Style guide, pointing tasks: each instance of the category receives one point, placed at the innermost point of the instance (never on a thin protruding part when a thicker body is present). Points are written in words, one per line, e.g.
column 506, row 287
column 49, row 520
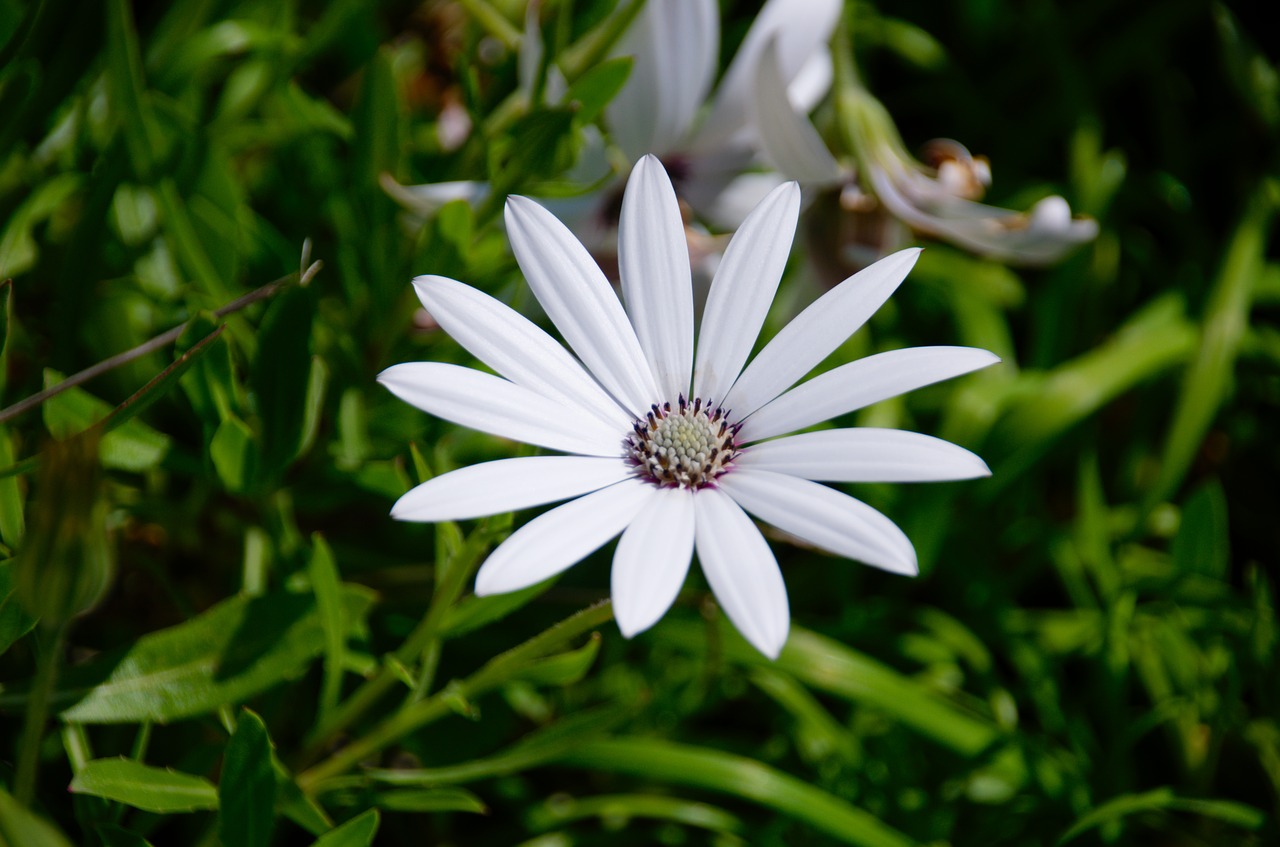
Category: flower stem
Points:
column 37, row 713
column 417, row 714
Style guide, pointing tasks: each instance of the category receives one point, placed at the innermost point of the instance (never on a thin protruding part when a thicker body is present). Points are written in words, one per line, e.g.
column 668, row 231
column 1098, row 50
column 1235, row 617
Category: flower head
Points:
column 672, row 447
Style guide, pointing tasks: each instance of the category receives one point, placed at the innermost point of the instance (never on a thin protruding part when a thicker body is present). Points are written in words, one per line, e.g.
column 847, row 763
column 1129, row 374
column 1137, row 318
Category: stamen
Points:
column 685, row 448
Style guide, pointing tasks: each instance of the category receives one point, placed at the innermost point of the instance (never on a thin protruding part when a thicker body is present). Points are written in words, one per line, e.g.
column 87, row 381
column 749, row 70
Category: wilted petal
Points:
column 652, row 560
column 742, row 571
column 822, row 516
column 492, row 488
column 562, row 537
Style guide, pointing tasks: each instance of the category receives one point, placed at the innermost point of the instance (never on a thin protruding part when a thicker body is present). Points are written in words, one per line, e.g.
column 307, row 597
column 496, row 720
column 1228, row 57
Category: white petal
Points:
column 490, row 404
column 653, row 262
column 865, row 454
column 801, row 27
column 491, row 488
column 562, row 537
column 813, row 81
column 579, row 300
column 732, row 203
column 860, row 384
column 743, row 290
column 787, row 138
column 675, row 44
column 514, row 346
column 652, row 560
column 823, row 517
column 742, row 571
column 817, row 331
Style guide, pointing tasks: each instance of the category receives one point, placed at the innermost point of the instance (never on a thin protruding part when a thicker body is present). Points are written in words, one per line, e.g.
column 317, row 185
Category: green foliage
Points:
column 212, row 632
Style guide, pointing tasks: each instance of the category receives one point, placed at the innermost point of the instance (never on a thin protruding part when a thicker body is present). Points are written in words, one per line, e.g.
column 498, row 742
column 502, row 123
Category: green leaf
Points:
column 619, row 809
column 328, row 591
column 281, row 375
column 130, row 446
column 247, row 788
column 1162, row 799
column 160, row 384
column 159, row 790
column 18, row 250
column 430, row 800
column 702, row 767
column 1208, row 377
column 474, row 612
column 235, row 454
column 357, row 832
column 114, row 836
column 14, row 620
column 126, row 90
column 564, row 669
column 1203, row 542
column 12, row 511
column 233, row 651
column 537, row 146
column 20, row 827
column 594, row 89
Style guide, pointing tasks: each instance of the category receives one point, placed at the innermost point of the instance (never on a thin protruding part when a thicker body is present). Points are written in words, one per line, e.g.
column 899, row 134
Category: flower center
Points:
column 685, row 447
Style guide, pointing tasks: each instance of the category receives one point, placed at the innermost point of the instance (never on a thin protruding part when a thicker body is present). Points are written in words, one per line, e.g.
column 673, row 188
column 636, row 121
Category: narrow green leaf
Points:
column 564, row 669
column 130, row 446
column 326, row 585
column 280, row 377
column 1162, row 799
column 702, row 767
column 247, row 788
column 114, row 836
column 1226, row 317
column 233, row 651
column 618, row 809
column 594, row 89
column 127, row 89
column 12, row 509
column 1203, row 542
column 159, row 790
column 430, row 800
column 20, row 827
column 235, row 454
column 357, row 832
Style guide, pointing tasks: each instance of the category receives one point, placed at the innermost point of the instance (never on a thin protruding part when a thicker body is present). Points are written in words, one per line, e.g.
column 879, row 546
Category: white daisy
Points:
column 670, row 449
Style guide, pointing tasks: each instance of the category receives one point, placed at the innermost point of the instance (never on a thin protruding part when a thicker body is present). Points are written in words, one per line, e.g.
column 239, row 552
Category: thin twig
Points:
column 161, row 340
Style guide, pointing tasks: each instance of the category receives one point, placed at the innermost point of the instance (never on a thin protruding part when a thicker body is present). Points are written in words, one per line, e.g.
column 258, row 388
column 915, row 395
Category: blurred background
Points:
column 1089, row 656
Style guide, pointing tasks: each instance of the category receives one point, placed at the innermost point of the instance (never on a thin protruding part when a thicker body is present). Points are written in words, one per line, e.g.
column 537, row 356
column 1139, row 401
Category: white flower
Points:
column 668, row 448
column 937, row 200
column 675, row 46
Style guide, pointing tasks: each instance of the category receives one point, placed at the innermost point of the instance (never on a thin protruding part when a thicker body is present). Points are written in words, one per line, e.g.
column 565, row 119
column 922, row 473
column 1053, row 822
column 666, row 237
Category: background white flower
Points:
column 668, row 448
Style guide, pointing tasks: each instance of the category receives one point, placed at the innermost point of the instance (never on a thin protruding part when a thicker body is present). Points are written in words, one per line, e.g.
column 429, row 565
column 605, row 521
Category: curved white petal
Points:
column 822, row 516
column 515, row 347
column 653, row 262
column 652, row 560
column 817, row 331
column 1039, row 237
column 860, row 384
column 788, row 140
column 801, row 27
column 675, row 44
column 490, row 404
column 564, row 536
column 813, row 81
column 865, row 454
column 742, row 571
column 492, row 488
column 743, row 290
column 579, row 300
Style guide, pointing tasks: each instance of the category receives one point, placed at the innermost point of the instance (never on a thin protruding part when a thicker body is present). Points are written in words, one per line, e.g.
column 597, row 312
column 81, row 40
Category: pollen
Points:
column 687, row 446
